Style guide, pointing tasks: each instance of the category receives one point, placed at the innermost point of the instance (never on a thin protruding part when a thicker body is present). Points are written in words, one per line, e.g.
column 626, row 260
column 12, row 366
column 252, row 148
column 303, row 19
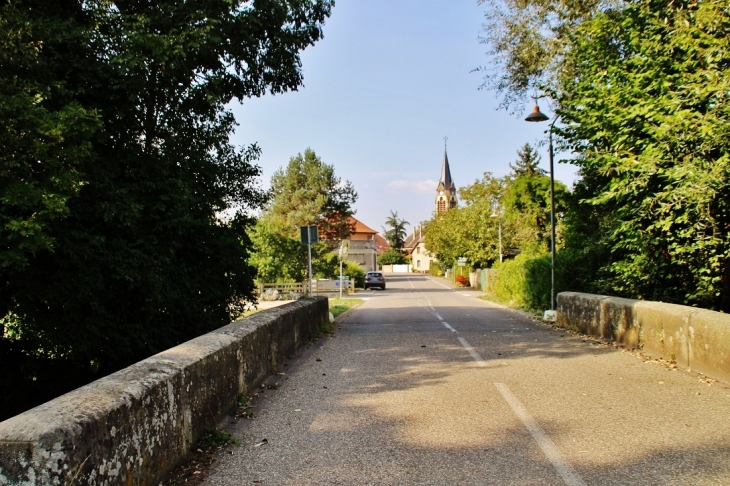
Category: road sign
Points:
column 309, row 234
column 344, row 249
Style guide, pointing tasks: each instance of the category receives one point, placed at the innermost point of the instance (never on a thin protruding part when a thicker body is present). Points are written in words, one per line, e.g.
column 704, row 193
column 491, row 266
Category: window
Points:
column 418, row 263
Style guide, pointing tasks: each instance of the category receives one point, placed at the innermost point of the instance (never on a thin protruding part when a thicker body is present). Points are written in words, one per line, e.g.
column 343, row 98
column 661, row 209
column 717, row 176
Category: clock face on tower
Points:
column 441, row 193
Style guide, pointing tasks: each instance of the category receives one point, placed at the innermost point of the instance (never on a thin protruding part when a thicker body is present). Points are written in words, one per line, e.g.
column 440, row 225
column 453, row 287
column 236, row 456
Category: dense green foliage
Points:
column 525, row 280
column 645, row 103
column 469, row 230
column 435, row 269
column 306, row 193
column 116, row 162
column 355, row 272
column 641, row 89
column 392, row 257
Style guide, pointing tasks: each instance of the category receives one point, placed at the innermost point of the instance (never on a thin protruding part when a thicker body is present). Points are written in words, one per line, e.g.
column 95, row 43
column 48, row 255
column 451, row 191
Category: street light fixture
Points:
column 499, row 222
column 538, row 116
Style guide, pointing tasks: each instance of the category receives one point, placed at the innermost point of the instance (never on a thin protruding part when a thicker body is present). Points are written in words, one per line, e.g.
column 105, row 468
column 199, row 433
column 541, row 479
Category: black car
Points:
column 374, row 279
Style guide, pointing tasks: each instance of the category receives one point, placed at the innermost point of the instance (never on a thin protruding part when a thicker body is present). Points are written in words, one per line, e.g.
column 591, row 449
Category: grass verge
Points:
column 339, row 306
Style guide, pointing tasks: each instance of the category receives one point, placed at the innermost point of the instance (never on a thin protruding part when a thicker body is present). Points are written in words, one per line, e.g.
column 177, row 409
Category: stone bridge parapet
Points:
column 133, row 426
column 698, row 339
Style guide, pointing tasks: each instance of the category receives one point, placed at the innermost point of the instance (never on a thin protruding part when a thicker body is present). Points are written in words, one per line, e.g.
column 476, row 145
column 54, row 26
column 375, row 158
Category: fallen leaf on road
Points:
column 262, row 442
column 297, row 409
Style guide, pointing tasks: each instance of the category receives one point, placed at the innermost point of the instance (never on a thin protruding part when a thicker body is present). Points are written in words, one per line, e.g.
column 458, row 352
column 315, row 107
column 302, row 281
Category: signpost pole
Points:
column 309, row 235
column 309, row 245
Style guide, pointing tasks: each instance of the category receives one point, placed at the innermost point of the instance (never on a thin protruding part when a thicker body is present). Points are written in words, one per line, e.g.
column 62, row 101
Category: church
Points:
column 446, row 190
column 445, row 199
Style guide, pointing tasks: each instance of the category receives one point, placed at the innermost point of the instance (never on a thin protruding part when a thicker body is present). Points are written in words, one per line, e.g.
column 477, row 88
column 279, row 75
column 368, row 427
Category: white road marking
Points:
column 563, row 467
column 412, row 286
column 437, row 282
column 446, row 324
column 473, row 352
column 432, row 310
column 466, row 295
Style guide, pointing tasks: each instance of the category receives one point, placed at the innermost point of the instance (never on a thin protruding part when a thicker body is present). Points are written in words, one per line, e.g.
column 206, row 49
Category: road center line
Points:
column 446, row 324
column 436, row 282
column 563, row 467
column 473, row 352
column 432, row 310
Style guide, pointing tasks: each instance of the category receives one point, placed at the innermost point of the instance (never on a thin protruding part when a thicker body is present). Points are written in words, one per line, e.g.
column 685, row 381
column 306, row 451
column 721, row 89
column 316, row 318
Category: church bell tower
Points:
column 446, row 191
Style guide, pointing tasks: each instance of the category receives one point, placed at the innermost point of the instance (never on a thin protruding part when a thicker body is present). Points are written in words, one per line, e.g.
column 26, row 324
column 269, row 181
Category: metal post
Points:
column 500, row 241
column 309, row 245
column 552, row 224
column 340, row 274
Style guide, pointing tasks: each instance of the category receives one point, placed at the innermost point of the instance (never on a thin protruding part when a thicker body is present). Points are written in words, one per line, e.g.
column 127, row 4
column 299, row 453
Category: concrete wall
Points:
column 696, row 338
column 133, row 426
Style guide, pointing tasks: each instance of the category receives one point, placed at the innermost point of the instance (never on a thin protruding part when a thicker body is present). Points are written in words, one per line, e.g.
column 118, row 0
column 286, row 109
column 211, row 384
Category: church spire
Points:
column 446, row 171
column 446, row 191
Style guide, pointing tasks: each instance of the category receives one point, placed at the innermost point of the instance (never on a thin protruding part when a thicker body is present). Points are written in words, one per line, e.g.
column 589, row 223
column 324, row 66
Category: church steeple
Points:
column 446, row 190
column 446, row 171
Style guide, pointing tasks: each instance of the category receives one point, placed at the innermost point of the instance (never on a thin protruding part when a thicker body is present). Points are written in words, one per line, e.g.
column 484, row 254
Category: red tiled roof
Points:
column 359, row 227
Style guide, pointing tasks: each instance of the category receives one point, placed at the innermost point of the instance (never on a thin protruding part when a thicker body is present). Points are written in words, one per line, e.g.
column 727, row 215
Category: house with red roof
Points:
column 365, row 245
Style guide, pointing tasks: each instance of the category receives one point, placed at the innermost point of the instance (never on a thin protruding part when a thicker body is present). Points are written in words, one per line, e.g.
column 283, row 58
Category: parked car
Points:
column 374, row 279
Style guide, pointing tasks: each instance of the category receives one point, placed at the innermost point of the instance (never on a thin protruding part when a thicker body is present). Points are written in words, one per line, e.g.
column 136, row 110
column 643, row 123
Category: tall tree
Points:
column 527, row 41
column 308, row 192
column 527, row 163
column 644, row 99
column 115, row 172
column 526, row 204
column 396, row 233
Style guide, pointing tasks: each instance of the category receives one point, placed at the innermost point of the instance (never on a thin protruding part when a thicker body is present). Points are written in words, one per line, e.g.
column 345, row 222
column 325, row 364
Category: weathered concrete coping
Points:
column 696, row 338
column 133, row 426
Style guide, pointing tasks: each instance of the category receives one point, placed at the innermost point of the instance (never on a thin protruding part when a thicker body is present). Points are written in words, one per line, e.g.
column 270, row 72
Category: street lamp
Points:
column 499, row 222
column 538, row 116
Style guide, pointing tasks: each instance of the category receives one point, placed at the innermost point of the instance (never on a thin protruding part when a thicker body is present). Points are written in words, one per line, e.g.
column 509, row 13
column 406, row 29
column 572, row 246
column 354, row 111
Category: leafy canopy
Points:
column 116, row 162
column 308, row 192
column 644, row 99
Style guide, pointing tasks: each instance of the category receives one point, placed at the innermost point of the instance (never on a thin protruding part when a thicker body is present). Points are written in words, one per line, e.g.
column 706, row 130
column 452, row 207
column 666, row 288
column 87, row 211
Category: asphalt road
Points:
column 425, row 384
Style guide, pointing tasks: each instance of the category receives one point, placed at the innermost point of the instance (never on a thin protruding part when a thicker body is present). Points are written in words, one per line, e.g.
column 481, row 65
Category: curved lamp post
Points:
column 495, row 214
column 538, row 116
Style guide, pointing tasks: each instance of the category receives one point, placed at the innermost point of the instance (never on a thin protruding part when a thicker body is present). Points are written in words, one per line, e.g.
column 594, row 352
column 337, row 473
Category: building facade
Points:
column 365, row 245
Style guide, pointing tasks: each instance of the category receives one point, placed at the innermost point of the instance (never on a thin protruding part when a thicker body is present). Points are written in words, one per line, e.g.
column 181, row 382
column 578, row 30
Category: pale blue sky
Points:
column 389, row 80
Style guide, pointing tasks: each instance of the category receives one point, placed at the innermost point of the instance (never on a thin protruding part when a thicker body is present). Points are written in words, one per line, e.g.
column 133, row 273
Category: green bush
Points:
column 435, row 269
column 392, row 257
column 525, row 281
column 355, row 272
